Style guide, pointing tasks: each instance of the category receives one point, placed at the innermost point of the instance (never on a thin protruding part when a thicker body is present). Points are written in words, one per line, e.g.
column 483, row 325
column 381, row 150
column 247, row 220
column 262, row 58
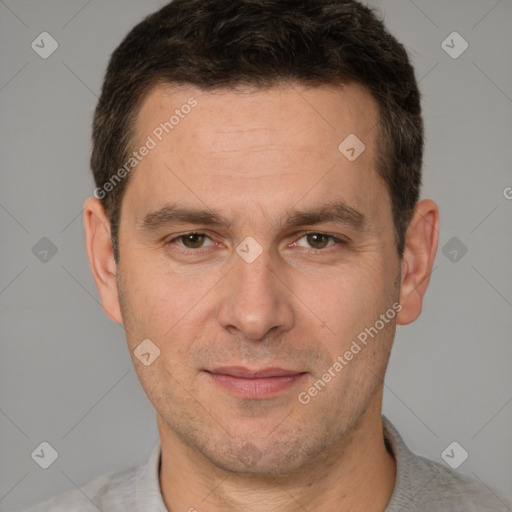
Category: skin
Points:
column 252, row 155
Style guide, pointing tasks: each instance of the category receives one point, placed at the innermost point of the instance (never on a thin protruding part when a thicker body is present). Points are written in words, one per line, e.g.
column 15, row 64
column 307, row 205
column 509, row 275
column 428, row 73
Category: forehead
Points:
column 304, row 112
column 274, row 147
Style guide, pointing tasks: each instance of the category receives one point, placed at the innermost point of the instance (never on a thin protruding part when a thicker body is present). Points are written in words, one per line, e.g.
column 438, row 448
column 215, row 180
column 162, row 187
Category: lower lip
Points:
column 264, row 387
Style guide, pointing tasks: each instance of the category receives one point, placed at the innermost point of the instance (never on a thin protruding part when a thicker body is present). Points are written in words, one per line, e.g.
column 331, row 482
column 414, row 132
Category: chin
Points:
column 263, row 457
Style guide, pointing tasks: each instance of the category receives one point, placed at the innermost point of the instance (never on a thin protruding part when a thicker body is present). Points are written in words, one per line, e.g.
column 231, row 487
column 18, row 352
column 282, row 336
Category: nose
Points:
column 255, row 299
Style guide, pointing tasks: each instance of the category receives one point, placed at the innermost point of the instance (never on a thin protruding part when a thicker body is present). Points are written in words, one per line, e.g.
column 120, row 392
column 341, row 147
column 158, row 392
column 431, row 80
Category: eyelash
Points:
column 186, row 250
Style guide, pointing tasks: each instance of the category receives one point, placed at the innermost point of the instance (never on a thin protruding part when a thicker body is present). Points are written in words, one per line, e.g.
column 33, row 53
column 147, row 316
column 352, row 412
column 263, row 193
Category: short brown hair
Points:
column 222, row 44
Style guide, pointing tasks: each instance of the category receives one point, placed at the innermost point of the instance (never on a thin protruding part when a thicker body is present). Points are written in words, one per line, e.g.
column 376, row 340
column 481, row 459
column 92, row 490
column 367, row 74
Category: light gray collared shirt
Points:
column 421, row 486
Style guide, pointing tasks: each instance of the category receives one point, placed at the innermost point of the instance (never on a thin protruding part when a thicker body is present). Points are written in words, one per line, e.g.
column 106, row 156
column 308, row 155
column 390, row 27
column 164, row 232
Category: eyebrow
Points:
column 333, row 211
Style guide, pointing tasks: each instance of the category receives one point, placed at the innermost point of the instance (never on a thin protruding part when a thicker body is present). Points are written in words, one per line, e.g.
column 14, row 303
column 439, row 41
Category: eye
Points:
column 314, row 240
column 319, row 241
column 191, row 240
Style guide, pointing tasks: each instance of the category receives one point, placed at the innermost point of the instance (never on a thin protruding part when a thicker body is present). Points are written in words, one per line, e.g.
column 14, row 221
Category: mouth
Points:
column 254, row 383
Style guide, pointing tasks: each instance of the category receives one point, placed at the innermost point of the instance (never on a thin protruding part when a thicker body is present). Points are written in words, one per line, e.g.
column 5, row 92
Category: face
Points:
column 253, row 301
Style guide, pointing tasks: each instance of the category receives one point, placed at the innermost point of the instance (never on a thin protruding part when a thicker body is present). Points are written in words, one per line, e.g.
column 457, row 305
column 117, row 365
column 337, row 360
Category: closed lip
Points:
column 247, row 373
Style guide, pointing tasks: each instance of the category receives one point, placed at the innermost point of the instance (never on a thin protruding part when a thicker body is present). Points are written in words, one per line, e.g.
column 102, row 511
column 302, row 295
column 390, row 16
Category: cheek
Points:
column 163, row 305
column 350, row 291
column 349, row 301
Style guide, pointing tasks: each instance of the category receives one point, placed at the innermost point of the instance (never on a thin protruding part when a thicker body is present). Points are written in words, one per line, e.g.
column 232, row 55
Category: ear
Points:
column 419, row 253
column 101, row 257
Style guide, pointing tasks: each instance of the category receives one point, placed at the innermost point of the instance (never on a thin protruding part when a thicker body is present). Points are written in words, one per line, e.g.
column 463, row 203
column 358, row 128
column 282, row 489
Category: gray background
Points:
column 66, row 375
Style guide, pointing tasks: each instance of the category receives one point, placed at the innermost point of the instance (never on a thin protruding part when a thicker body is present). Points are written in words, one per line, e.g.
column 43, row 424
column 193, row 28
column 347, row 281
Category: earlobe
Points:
column 101, row 257
column 418, row 259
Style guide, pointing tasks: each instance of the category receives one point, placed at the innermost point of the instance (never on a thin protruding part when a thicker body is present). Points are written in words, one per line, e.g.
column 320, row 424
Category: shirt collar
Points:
column 149, row 494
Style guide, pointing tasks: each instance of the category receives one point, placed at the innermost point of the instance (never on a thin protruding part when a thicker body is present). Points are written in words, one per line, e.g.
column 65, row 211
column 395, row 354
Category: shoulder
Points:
column 112, row 491
column 447, row 488
column 425, row 485
column 132, row 489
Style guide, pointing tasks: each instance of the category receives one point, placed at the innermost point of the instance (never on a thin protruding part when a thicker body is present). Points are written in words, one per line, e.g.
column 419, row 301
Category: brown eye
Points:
column 318, row 240
column 318, row 243
column 192, row 240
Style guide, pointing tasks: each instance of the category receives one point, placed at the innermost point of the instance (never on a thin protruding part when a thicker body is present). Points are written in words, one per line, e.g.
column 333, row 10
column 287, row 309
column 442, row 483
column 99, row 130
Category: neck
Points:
column 357, row 475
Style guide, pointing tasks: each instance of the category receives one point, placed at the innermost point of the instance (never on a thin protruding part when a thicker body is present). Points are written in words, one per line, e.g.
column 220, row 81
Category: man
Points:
column 257, row 231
